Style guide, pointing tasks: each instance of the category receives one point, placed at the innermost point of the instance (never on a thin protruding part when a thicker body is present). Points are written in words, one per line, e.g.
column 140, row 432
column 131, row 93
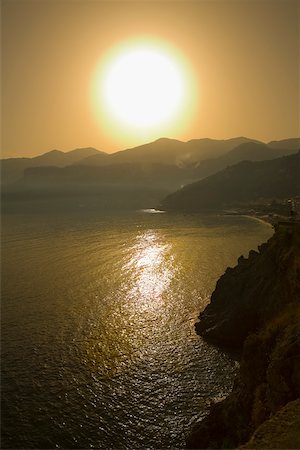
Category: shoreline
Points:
column 262, row 321
column 266, row 218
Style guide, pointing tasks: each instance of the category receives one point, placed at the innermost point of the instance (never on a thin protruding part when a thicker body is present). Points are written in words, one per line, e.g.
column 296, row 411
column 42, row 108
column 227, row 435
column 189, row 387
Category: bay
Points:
column 98, row 313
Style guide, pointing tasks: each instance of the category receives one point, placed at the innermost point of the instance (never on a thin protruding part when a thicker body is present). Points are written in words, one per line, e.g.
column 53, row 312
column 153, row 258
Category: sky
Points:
column 240, row 62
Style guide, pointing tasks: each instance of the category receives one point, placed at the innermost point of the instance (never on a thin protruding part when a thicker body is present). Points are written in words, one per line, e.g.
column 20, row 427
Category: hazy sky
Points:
column 244, row 57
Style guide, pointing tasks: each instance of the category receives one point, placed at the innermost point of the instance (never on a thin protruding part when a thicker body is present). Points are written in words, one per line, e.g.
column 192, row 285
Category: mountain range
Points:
column 243, row 183
column 148, row 172
column 204, row 156
column 248, row 151
column 12, row 169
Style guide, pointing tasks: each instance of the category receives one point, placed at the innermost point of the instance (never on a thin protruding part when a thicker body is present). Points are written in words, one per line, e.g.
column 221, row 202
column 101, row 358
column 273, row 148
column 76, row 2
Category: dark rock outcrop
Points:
column 281, row 431
column 256, row 306
column 251, row 293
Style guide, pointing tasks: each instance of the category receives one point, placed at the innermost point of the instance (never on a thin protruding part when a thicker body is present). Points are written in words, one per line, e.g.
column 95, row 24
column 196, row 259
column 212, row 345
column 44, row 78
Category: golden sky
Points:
column 242, row 57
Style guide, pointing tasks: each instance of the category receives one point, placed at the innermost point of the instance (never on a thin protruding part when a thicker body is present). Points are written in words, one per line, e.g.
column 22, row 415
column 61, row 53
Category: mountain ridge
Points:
column 243, row 182
column 13, row 168
column 191, row 156
column 249, row 151
column 289, row 143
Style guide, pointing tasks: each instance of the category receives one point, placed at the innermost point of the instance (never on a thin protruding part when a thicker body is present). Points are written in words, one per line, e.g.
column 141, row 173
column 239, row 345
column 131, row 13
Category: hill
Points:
column 162, row 151
column 292, row 144
column 205, row 156
column 149, row 172
column 202, row 149
column 13, row 168
column 169, row 151
column 127, row 185
column 248, row 151
column 227, row 151
column 243, row 182
column 115, row 174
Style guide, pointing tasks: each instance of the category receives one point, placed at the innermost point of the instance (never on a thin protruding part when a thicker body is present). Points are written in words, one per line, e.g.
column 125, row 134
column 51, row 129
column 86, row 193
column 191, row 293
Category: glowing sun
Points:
column 142, row 86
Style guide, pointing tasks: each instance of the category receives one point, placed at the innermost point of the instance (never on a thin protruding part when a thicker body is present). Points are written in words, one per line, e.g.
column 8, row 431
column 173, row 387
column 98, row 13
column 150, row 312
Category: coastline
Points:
column 255, row 308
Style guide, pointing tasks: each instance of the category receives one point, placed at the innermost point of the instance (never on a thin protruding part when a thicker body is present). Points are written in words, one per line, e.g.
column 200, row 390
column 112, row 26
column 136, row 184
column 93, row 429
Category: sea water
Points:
column 98, row 313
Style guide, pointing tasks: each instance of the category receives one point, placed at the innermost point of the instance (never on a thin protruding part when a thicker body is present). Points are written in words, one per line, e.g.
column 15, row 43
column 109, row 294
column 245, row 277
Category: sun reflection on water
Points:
column 150, row 268
column 129, row 322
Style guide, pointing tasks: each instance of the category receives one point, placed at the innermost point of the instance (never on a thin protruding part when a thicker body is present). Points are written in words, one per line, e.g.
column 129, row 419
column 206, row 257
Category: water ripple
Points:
column 98, row 313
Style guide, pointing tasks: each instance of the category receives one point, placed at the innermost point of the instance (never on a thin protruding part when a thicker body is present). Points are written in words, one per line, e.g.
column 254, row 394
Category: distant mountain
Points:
column 78, row 177
column 202, row 149
column 290, row 144
column 61, row 159
column 140, row 165
column 199, row 157
column 162, row 151
column 169, row 151
column 98, row 159
column 13, row 168
column 211, row 155
column 248, row 151
column 244, row 182
column 121, row 186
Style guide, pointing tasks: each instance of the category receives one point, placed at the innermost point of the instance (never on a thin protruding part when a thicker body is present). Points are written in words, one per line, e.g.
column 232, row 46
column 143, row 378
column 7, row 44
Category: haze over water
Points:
column 98, row 314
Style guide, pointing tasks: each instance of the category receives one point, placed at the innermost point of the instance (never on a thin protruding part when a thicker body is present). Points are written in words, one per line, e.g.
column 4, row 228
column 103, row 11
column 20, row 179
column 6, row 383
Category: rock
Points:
column 280, row 431
column 256, row 307
column 254, row 291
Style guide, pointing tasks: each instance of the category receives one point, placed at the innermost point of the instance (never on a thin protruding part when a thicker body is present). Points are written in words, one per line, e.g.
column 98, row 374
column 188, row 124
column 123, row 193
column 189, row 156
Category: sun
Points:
column 142, row 87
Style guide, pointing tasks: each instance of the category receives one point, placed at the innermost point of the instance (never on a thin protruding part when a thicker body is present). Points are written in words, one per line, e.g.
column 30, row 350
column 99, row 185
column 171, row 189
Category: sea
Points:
column 99, row 348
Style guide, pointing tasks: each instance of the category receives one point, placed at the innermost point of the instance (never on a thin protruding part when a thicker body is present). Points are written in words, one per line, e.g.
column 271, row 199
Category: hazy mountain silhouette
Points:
column 243, row 182
column 151, row 171
column 169, row 151
column 209, row 155
column 290, row 144
column 164, row 151
column 249, row 151
column 13, row 168
column 126, row 173
column 161, row 151
column 60, row 159
column 202, row 149
column 128, row 185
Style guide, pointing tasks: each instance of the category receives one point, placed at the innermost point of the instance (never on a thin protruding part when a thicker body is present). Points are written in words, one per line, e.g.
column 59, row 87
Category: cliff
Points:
column 256, row 308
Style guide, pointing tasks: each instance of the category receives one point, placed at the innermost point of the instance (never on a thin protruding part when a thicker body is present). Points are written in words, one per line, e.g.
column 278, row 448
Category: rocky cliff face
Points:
column 256, row 307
